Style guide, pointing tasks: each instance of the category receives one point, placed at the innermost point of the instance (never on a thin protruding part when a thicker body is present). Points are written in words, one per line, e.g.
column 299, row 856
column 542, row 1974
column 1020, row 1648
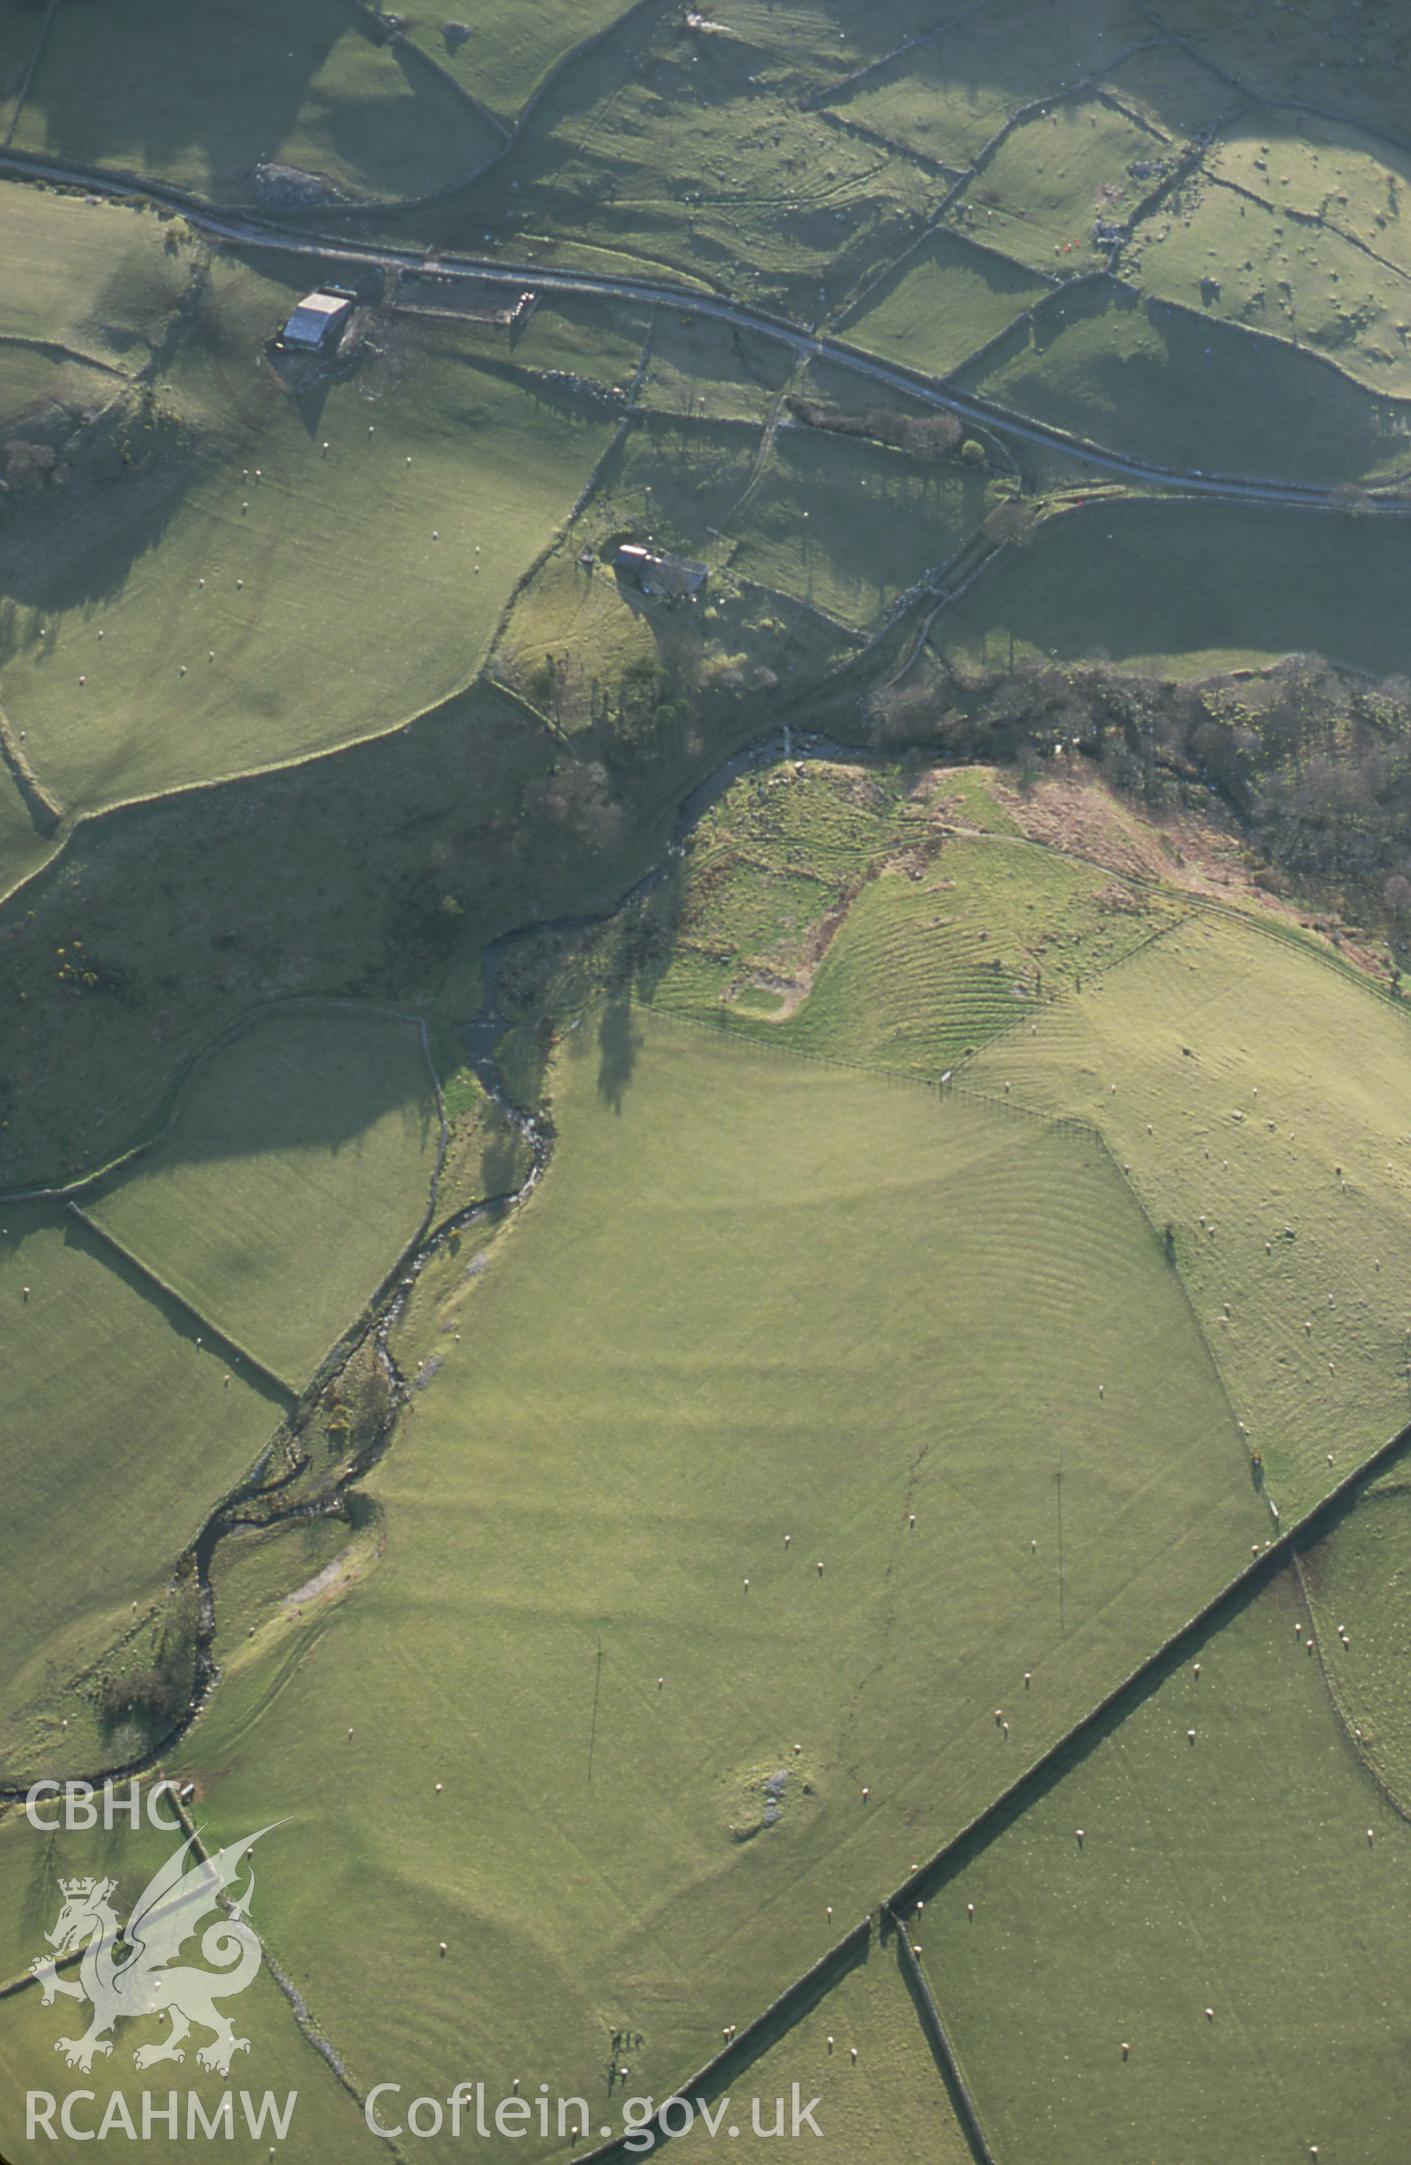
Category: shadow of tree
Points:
column 618, row 1045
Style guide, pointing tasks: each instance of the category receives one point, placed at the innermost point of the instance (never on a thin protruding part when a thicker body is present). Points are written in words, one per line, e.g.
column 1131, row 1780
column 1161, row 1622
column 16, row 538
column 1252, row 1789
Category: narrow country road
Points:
column 245, row 227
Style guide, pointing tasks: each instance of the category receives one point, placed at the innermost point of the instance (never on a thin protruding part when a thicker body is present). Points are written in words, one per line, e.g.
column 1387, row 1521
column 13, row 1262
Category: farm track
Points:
column 245, row 230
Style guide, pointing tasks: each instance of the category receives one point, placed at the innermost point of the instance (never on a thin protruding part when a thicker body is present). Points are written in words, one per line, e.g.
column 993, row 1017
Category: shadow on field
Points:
column 145, row 94
column 288, row 1083
column 69, row 548
column 93, row 1241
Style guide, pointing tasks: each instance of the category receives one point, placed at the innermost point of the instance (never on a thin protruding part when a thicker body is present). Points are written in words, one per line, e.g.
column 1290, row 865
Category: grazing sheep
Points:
column 1126, row 2051
column 1190, row 1736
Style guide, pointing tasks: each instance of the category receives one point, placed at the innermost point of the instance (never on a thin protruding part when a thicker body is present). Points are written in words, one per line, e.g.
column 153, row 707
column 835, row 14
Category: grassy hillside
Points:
column 834, row 911
column 508, row 52
column 296, row 1167
column 198, row 101
column 1356, row 1581
column 206, row 613
column 99, row 280
column 1185, row 390
column 847, row 526
column 757, row 1297
column 1233, row 1875
column 120, row 1434
column 1218, row 1064
column 1251, row 261
column 326, row 2120
column 1186, row 589
column 887, row 2100
column 681, row 148
column 942, row 301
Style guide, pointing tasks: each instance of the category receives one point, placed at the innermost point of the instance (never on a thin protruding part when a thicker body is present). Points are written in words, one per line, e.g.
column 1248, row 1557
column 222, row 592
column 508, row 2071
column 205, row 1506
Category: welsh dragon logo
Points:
column 146, row 1979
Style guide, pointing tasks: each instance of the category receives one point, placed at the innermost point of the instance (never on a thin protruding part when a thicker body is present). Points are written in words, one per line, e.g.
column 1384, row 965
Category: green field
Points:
column 847, row 526
column 937, row 1208
column 757, row 1296
column 1036, row 197
column 1246, row 261
column 889, row 2102
column 120, row 1435
column 1356, row 1581
column 296, row 1168
column 949, row 97
column 510, row 51
column 1234, row 1874
column 832, row 912
column 1198, row 1061
column 326, row 2120
column 1305, row 58
column 711, row 370
column 199, row 100
column 1186, row 589
column 1142, row 379
column 189, row 645
column 99, row 280
column 941, row 303
column 679, row 150
column 1348, row 180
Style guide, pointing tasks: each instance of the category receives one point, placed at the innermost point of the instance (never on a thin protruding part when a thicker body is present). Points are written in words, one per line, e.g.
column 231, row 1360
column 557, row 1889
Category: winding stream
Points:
column 250, row 1504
